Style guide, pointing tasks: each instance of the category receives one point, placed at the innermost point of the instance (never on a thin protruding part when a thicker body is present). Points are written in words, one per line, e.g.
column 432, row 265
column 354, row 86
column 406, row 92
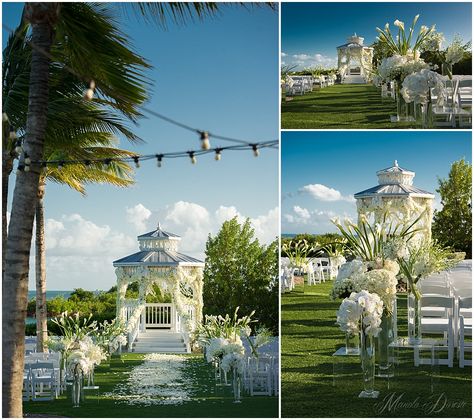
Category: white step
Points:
column 354, row 80
column 159, row 341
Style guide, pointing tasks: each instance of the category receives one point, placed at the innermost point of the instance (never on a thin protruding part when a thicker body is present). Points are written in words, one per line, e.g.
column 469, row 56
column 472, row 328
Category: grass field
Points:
column 341, row 106
column 208, row 400
column 310, row 337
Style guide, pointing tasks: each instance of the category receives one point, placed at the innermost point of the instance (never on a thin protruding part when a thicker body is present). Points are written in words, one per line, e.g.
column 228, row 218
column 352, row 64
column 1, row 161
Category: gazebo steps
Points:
column 159, row 341
column 354, row 80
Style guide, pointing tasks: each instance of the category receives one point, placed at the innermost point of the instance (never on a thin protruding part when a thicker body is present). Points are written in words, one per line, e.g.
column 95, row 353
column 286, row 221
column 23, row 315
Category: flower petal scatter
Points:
column 161, row 380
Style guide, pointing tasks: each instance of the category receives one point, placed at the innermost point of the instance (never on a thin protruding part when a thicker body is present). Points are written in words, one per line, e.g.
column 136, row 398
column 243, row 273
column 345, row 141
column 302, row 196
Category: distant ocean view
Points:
column 50, row 294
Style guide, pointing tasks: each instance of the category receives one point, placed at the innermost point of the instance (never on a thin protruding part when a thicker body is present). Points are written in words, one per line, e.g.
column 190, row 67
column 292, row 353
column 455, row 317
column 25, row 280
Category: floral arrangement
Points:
column 110, row 335
column 361, row 310
column 417, row 86
column 84, row 356
column 454, row 53
column 398, row 67
column 231, row 361
column 404, row 43
column 297, row 252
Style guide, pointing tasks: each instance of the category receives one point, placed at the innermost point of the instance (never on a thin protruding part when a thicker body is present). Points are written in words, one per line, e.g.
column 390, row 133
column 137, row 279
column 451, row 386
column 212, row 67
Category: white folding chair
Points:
column 439, row 325
column 43, row 381
column 465, row 330
column 26, row 382
column 260, row 376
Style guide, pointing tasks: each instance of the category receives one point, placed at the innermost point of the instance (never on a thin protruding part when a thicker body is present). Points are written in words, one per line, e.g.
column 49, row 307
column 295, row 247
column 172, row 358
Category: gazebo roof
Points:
column 394, row 181
column 159, row 233
column 354, row 41
column 158, row 248
column 158, row 258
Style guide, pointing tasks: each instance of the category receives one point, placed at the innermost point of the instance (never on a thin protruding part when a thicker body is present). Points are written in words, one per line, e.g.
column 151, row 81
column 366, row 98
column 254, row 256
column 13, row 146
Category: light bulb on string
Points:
column 205, row 143
column 87, row 162
column 89, row 93
column 136, row 159
column 4, row 117
column 255, row 150
column 12, row 133
column 108, row 161
column 193, row 158
column 60, row 165
column 159, row 159
column 18, row 148
column 218, row 155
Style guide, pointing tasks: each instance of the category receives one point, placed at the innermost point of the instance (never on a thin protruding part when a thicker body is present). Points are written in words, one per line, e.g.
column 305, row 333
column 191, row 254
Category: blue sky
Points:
column 312, row 31
column 339, row 164
column 219, row 75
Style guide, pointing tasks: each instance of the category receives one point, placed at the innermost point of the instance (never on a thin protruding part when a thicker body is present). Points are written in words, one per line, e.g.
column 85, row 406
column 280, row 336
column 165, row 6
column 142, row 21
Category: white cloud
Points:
column 302, row 212
column 283, row 54
column 312, row 60
column 138, row 216
column 324, row 193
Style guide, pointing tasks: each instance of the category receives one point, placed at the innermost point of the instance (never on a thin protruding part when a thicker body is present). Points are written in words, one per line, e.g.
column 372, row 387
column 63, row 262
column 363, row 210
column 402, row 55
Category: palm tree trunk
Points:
column 15, row 284
column 40, row 268
column 7, row 165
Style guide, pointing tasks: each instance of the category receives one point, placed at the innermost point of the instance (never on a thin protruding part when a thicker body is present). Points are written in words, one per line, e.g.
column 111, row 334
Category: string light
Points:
column 87, row 162
column 4, row 117
column 12, row 133
column 205, row 143
column 256, row 152
column 60, row 165
column 218, row 155
column 193, row 158
column 159, row 158
column 18, row 148
column 137, row 161
column 89, row 93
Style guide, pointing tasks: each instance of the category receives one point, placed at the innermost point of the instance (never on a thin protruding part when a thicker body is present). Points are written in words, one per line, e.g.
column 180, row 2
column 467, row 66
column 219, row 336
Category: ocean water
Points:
column 50, row 293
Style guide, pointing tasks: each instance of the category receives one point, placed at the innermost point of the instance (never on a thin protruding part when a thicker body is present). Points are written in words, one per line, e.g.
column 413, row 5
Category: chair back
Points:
column 465, row 303
column 437, row 301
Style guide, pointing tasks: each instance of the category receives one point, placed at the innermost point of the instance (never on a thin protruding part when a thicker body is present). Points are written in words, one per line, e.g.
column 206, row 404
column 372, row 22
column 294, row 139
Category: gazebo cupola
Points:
column 396, row 198
column 354, row 60
column 158, row 240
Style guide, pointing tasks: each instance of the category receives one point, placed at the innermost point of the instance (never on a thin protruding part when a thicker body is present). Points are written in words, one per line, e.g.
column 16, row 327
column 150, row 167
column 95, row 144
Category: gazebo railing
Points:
column 160, row 315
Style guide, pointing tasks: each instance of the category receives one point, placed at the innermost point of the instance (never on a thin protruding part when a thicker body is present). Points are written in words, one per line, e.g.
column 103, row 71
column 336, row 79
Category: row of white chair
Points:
column 261, row 375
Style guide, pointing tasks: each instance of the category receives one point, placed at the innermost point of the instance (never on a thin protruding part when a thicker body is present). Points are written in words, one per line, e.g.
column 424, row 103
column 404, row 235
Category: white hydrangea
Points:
column 417, row 86
column 215, row 348
column 351, row 268
column 348, row 316
column 233, row 360
column 382, row 282
column 397, row 67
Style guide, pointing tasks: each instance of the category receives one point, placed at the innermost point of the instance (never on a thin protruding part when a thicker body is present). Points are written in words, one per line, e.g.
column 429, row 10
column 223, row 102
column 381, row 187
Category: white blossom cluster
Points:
column 417, row 87
column 397, row 67
column 219, row 347
column 231, row 361
column 361, row 308
column 382, row 281
column 454, row 53
column 85, row 356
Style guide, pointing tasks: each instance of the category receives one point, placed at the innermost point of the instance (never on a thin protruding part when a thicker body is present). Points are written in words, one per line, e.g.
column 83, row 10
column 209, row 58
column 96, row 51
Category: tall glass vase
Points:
column 414, row 314
column 77, row 391
column 403, row 108
column 352, row 344
column 217, row 369
column 382, row 342
column 367, row 359
column 236, row 385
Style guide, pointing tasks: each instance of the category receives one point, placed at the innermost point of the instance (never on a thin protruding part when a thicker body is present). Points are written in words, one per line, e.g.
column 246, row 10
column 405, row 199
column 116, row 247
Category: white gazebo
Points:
column 397, row 199
column 159, row 263
column 354, row 60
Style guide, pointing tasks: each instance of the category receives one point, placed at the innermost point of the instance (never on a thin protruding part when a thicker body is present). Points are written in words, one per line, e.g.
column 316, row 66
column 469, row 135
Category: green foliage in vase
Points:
column 240, row 272
column 452, row 226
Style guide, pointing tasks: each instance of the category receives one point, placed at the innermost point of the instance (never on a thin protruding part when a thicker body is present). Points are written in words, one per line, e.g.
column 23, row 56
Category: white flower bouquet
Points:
column 361, row 310
column 417, row 86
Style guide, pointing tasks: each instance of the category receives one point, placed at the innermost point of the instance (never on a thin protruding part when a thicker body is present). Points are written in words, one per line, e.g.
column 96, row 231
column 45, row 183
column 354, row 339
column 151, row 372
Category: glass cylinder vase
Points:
column 367, row 359
column 382, row 342
column 77, row 391
column 414, row 314
column 236, row 385
column 217, row 369
column 352, row 344
column 404, row 109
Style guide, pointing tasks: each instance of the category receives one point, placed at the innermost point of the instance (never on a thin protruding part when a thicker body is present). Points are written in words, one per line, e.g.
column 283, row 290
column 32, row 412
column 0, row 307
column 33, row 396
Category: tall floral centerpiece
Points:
column 372, row 270
column 221, row 338
column 297, row 252
column 361, row 313
column 404, row 59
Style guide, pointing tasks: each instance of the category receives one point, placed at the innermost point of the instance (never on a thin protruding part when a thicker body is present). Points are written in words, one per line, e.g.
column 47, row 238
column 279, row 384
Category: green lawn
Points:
column 310, row 337
column 341, row 106
column 208, row 400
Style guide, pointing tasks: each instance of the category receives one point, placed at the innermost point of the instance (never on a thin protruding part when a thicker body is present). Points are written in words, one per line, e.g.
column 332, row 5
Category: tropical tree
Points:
column 240, row 272
column 452, row 225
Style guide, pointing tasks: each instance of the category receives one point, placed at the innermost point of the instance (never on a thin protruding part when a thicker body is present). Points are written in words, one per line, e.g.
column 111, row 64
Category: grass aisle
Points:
column 205, row 398
column 340, row 106
column 310, row 337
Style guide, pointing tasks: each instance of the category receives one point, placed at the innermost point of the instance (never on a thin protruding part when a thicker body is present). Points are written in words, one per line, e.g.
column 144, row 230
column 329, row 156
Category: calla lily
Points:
column 400, row 24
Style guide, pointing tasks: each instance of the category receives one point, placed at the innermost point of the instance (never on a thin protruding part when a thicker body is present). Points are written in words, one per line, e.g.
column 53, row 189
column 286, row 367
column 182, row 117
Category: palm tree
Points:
column 98, row 51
